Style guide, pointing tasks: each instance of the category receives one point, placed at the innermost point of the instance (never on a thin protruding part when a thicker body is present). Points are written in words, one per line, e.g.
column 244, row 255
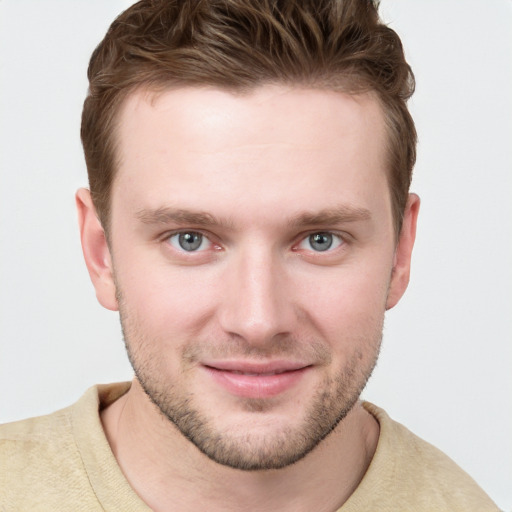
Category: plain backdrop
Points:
column 445, row 368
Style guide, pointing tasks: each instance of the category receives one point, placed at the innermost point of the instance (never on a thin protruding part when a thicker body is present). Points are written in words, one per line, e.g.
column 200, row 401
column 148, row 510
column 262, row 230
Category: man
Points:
column 249, row 217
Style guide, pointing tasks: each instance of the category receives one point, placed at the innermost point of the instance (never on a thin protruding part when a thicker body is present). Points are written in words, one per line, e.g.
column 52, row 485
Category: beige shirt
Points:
column 63, row 462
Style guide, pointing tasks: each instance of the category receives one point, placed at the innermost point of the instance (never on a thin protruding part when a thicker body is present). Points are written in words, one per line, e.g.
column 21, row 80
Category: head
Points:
column 249, row 213
column 337, row 45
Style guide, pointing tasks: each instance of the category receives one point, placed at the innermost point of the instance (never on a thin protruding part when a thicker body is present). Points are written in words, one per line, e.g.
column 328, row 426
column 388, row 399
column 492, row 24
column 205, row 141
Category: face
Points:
column 253, row 257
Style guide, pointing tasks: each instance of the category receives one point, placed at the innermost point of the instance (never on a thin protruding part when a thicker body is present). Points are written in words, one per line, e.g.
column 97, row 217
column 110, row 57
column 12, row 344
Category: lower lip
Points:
column 257, row 386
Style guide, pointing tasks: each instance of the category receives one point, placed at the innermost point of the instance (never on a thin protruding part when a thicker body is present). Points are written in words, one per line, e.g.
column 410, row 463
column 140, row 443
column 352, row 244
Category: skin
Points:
column 256, row 175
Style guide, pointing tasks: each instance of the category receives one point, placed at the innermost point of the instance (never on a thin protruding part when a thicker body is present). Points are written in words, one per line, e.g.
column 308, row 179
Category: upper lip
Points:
column 256, row 367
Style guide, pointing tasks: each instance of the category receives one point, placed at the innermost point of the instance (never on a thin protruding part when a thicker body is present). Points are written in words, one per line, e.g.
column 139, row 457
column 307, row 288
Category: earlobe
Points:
column 403, row 252
column 96, row 250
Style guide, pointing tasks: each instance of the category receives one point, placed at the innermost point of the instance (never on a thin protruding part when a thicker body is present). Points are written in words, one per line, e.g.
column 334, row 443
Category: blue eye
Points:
column 321, row 241
column 189, row 241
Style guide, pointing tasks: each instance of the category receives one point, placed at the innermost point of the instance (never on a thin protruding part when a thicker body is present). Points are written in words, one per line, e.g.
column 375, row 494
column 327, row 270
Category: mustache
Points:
column 282, row 347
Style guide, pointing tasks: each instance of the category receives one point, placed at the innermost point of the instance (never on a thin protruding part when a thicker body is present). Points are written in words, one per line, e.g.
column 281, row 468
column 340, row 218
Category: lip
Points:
column 256, row 379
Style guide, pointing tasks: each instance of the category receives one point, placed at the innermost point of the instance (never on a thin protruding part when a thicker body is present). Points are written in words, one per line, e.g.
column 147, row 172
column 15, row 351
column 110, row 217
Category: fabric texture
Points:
column 63, row 461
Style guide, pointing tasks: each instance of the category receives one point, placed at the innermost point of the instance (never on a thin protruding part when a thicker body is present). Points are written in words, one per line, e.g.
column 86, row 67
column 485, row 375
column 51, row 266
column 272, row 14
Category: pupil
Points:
column 190, row 241
column 321, row 241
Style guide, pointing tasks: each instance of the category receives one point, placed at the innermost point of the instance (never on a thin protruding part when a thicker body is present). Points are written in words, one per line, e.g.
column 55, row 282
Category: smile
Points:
column 248, row 380
column 236, row 372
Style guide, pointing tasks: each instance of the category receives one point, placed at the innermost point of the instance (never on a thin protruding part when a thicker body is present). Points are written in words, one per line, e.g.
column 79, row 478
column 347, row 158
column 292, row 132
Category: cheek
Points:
column 167, row 300
column 162, row 312
column 348, row 303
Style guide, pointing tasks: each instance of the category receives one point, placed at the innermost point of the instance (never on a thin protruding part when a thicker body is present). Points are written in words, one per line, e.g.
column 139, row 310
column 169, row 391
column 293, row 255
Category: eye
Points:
column 321, row 241
column 189, row 241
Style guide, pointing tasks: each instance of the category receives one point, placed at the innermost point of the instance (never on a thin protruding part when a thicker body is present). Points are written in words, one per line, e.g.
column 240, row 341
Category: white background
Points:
column 445, row 369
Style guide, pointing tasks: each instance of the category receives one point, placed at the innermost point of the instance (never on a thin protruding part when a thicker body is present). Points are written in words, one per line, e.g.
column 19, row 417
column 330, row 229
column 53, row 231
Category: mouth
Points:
column 256, row 380
column 255, row 374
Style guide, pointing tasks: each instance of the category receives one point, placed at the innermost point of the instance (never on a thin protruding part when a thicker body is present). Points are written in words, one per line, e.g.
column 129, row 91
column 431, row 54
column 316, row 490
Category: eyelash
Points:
column 206, row 237
column 329, row 249
column 303, row 238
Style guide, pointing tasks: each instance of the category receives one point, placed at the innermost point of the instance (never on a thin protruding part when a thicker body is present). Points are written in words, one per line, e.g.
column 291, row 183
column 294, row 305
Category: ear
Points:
column 403, row 252
column 96, row 250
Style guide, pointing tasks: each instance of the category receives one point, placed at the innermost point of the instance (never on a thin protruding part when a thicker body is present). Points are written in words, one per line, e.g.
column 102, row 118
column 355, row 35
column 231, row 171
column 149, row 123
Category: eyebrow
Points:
column 326, row 217
column 179, row 216
column 331, row 216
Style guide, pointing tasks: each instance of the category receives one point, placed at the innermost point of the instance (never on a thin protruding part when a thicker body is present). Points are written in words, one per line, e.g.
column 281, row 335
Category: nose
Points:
column 258, row 304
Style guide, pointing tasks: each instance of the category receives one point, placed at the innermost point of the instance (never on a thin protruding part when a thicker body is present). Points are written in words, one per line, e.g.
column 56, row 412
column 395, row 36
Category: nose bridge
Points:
column 256, row 306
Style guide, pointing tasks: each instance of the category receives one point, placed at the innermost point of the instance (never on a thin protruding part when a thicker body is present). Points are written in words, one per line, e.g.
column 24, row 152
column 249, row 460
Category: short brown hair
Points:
column 239, row 45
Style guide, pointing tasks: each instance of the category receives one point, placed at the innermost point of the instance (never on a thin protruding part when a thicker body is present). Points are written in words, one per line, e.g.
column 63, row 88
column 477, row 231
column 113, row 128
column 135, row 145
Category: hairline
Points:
column 153, row 90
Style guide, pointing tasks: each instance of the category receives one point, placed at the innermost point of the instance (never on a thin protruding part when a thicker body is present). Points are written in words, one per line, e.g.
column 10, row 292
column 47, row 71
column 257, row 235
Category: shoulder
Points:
column 27, row 442
column 414, row 475
column 42, row 466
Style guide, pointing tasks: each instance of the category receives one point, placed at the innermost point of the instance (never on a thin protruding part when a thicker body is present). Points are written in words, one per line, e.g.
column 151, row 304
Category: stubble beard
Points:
column 241, row 448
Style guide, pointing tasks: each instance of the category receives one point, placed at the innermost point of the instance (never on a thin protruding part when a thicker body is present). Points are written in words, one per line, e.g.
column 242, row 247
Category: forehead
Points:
column 195, row 144
column 265, row 114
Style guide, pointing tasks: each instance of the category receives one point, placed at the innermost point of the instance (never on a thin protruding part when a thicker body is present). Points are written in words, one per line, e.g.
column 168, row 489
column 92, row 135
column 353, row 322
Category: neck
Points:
column 168, row 472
